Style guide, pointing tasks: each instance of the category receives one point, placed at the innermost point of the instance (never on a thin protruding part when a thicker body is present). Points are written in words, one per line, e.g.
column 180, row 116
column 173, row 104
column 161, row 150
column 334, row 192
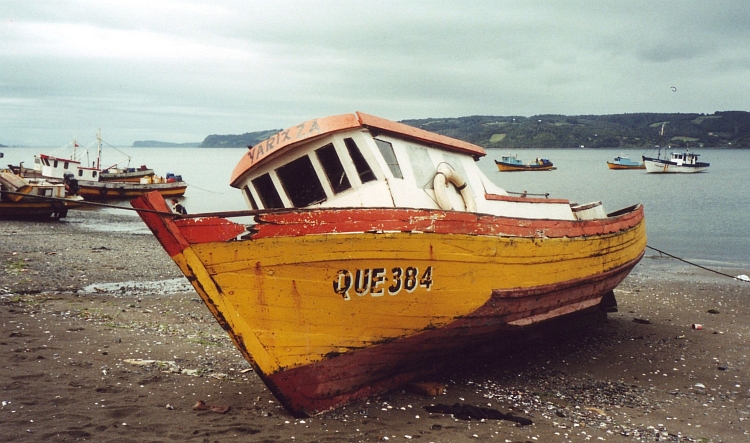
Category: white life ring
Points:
column 446, row 174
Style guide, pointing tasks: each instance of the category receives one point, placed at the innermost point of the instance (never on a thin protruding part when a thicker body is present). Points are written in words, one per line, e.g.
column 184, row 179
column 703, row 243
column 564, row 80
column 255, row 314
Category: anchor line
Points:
column 695, row 264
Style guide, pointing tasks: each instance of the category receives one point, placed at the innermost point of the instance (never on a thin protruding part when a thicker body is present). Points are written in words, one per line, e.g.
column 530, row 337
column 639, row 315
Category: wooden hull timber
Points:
column 111, row 190
column 373, row 298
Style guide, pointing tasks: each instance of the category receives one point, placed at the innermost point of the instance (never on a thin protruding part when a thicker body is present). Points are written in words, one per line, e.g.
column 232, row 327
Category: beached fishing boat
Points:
column 624, row 162
column 678, row 162
column 509, row 163
column 378, row 251
column 110, row 183
column 34, row 198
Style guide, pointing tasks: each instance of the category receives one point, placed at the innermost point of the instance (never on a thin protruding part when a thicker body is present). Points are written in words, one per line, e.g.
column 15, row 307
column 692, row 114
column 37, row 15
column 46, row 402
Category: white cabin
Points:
column 365, row 161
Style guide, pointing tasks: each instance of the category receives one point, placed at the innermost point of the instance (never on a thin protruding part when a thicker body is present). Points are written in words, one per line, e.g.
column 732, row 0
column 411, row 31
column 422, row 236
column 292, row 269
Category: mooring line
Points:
column 252, row 212
column 696, row 265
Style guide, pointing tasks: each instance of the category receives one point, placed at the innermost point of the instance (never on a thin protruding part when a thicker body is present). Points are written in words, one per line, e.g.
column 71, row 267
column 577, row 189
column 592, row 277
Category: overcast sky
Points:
column 178, row 71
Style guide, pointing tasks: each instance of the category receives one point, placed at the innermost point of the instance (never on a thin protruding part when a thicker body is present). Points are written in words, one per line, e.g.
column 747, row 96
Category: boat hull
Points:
column 507, row 167
column 29, row 209
column 662, row 166
column 127, row 177
column 617, row 166
column 330, row 306
column 111, row 190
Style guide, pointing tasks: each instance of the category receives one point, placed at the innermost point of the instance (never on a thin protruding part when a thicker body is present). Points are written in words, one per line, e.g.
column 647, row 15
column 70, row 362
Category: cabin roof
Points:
column 287, row 139
column 50, row 157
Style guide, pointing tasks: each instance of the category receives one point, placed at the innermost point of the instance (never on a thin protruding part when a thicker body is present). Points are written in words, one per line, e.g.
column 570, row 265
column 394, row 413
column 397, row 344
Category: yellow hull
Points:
column 297, row 321
column 327, row 316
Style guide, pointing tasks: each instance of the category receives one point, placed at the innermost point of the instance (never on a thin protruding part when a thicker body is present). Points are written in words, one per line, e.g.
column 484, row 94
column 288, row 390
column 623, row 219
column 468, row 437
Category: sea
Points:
column 702, row 218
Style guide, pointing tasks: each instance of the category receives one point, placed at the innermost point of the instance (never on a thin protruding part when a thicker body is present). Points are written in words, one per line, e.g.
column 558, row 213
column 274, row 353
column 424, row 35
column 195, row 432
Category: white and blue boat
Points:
column 624, row 162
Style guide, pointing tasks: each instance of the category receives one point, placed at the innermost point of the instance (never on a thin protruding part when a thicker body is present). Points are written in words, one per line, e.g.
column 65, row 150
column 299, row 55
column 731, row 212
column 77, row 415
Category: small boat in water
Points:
column 379, row 251
column 679, row 162
column 111, row 183
column 624, row 162
column 508, row 163
column 35, row 198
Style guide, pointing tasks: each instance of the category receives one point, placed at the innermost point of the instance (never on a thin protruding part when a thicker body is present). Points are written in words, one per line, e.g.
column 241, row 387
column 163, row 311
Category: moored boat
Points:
column 678, row 162
column 378, row 250
column 624, row 162
column 508, row 163
column 36, row 198
column 133, row 175
column 109, row 183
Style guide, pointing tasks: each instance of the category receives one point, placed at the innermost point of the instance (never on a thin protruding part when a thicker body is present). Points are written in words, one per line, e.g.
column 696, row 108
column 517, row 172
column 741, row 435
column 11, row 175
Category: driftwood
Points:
column 467, row 412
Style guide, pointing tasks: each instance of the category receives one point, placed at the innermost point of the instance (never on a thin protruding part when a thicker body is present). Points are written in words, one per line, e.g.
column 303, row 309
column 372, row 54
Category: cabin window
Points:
column 65, row 165
column 363, row 169
column 333, row 168
column 267, row 192
column 300, row 181
column 93, row 174
column 250, row 198
column 80, row 172
column 421, row 165
column 55, row 163
column 390, row 157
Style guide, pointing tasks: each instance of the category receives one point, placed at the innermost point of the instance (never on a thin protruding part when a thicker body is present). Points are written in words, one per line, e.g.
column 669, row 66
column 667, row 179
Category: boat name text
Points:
column 283, row 138
column 373, row 281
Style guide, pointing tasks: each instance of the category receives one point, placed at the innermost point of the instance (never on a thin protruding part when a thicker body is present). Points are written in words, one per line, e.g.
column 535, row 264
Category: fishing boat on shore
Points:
column 624, row 162
column 378, row 251
column 34, row 198
column 110, row 183
column 509, row 163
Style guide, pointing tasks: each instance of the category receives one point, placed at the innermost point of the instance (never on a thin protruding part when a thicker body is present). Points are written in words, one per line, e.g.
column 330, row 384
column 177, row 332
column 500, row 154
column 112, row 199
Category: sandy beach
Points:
column 103, row 340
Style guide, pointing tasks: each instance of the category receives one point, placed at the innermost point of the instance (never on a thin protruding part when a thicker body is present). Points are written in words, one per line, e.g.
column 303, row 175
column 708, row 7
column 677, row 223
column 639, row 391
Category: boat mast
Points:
column 98, row 148
column 661, row 142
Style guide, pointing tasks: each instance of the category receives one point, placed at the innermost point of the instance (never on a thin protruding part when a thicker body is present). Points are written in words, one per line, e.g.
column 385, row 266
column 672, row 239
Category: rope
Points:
column 266, row 211
column 695, row 264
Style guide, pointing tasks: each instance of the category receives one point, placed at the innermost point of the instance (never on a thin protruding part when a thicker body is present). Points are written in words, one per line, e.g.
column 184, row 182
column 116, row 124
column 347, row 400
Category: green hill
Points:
column 720, row 129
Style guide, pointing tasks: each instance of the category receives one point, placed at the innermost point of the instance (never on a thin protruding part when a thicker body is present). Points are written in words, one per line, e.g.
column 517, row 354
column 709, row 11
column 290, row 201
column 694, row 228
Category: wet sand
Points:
column 90, row 350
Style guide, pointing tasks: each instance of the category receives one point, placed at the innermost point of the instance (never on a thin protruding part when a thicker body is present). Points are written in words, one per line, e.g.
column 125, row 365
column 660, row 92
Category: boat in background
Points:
column 379, row 251
column 34, row 198
column 508, row 163
column 133, row 175
column 109, row 183
column 679, row 162
column 624, row 162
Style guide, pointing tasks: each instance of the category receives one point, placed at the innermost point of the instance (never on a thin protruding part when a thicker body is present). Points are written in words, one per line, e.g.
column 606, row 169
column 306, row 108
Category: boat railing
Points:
column 526, row 194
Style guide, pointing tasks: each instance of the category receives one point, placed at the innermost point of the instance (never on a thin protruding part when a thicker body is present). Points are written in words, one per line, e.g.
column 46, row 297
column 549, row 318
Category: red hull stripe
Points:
column 163, row 227
column 325, row 221
column 330, row 221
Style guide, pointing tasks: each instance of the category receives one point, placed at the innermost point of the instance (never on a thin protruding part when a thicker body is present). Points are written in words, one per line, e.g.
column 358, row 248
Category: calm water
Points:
column 699, row 217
